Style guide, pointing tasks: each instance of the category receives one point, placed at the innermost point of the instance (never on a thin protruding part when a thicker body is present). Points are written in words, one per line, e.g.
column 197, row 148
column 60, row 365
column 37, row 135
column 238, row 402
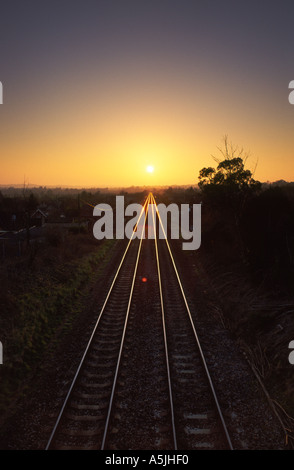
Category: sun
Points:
column 150, row 169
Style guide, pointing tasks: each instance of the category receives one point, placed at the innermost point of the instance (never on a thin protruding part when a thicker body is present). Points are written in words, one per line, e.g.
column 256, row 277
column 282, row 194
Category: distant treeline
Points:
column 16, row 190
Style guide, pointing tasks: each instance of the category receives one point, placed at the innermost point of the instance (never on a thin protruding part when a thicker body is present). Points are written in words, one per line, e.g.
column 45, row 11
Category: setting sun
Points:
column 150, row 169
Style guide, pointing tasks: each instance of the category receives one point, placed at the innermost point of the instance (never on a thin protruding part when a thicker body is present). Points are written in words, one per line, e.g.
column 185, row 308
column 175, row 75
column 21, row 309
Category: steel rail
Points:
column 94, row 330
column 164, row 334
column 123, row 334
column 194, row 331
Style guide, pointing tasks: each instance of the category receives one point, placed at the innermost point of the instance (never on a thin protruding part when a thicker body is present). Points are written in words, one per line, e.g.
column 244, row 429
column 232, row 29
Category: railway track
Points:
column 142, row 383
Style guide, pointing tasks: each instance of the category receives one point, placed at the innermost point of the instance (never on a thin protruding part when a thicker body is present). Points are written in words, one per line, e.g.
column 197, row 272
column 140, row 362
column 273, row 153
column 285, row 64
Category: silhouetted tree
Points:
column 230, row 183
column 225, row 191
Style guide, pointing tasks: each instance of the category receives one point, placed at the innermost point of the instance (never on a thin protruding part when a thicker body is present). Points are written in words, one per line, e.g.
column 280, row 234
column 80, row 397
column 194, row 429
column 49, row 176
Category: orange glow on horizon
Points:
column 65, row 138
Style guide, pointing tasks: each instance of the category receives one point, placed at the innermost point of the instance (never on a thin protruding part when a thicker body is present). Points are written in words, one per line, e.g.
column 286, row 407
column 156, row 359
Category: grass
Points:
column 261, row 322
column 39, row 302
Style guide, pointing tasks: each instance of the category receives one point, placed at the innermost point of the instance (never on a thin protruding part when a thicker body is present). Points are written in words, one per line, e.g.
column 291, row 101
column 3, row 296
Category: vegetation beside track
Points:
column 40, row 301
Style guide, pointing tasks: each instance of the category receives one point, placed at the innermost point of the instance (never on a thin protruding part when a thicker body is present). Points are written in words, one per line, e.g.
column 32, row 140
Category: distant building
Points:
column 39, row 218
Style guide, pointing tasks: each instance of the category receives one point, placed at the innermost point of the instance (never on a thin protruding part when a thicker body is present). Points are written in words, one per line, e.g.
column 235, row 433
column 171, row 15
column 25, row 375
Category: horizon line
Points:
column 187, row 185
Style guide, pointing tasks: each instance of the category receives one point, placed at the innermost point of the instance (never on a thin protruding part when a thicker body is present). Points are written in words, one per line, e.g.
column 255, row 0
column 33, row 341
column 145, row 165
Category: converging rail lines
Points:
column 142, row 382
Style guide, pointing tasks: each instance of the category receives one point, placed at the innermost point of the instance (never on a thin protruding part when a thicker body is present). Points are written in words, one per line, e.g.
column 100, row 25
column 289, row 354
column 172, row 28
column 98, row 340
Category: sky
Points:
column 96, row 91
